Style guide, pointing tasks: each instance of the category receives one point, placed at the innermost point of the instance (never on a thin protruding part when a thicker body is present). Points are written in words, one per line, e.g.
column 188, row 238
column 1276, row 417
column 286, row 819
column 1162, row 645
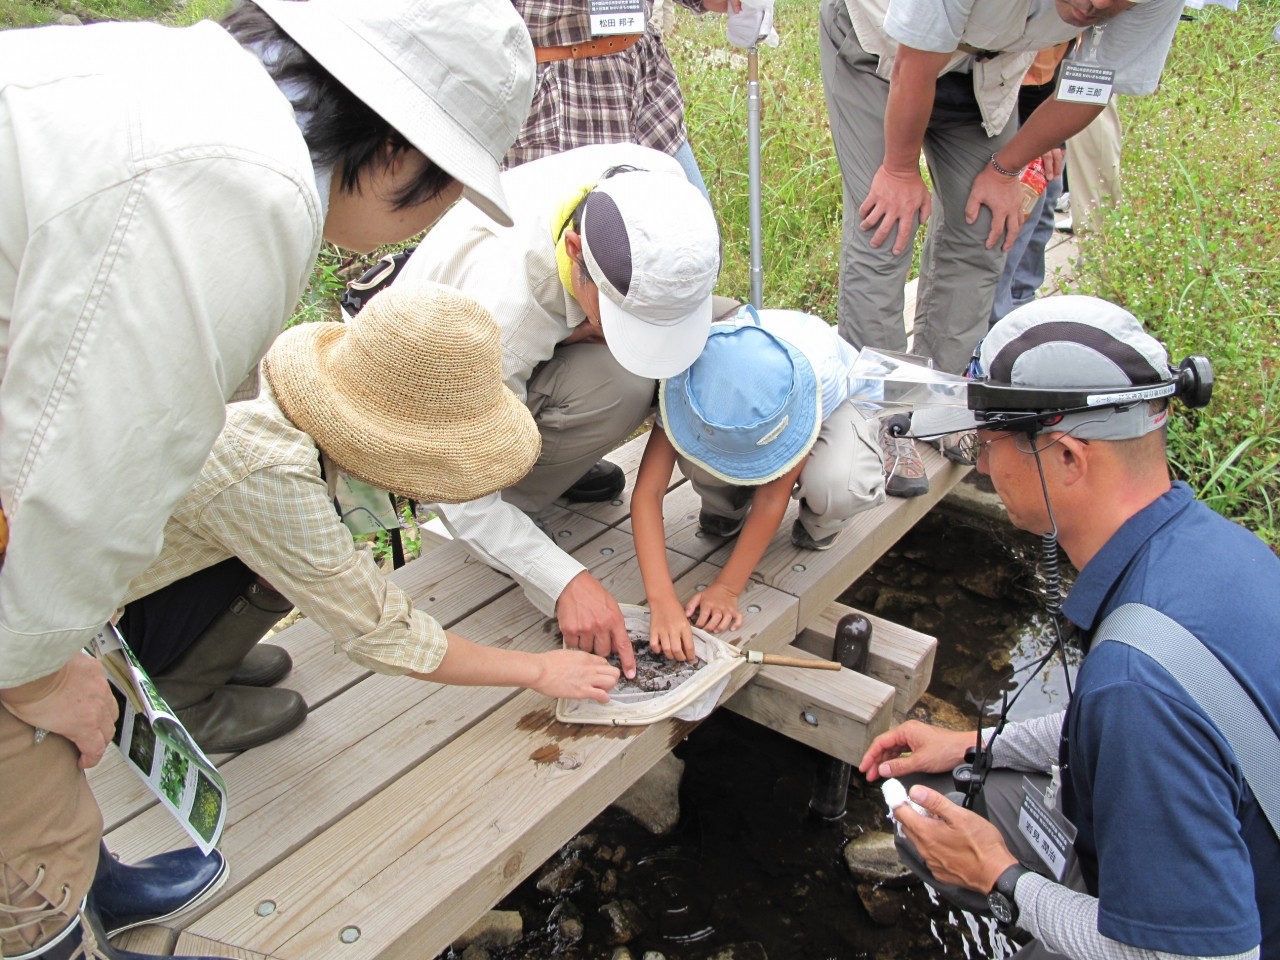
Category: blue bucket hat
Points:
column 749, row 408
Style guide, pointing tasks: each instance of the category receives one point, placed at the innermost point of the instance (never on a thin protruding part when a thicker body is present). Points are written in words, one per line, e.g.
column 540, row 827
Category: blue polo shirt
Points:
column 1171, row 839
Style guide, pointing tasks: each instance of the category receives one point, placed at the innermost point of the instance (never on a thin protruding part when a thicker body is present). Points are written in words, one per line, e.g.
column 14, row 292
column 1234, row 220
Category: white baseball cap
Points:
column 455, row 79
column 651, row 245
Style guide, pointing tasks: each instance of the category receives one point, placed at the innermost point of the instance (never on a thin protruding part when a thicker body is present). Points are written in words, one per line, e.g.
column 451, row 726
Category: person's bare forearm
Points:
column 1052, row 124
column 767, row 507
column 911, row 93
column 474, row 665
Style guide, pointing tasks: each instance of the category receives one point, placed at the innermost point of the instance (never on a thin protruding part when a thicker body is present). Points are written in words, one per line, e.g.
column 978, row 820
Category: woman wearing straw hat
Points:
column 767, row 413
column 163, row 196
column 407, row 397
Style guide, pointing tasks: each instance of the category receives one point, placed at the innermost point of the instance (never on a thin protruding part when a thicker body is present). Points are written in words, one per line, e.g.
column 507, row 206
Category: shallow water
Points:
column 747, row 869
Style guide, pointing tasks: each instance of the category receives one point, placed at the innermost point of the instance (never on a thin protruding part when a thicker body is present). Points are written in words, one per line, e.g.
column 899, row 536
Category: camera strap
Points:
column 1211, row 685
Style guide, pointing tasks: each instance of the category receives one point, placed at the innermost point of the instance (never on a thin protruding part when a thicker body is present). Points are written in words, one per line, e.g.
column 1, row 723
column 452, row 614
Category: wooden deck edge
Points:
column 838, row 713
column 900, row 656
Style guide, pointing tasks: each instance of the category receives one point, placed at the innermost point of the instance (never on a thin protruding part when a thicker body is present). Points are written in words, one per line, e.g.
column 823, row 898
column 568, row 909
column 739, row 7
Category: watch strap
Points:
column 1007, row 882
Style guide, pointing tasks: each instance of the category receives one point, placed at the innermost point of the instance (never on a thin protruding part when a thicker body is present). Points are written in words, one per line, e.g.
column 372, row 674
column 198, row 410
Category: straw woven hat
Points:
column 408, row 395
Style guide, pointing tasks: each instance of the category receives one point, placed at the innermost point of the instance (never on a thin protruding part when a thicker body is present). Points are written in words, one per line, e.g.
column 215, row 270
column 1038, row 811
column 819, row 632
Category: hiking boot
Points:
column 714, row 525
column 604, row 481
column 803, row 539
column 221, row 716
column 959, row 448
column 903, row 469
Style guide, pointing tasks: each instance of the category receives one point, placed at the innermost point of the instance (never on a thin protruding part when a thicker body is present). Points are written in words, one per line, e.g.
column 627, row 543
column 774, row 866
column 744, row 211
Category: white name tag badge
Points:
column 1051, row 834
column 1085, row 83
column 611, row 17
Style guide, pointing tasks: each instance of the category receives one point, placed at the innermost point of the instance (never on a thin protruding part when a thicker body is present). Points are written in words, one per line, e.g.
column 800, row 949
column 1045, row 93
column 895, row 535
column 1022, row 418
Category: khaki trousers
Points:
column 1093, row 167
column 50, row 833
column 958, row 275
column 585, row 403
column 843, row 476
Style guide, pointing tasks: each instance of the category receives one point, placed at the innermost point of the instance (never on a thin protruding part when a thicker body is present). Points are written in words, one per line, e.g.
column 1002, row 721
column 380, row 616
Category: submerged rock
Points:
column 654, row 799
column 750, row 950
column 873, row 858
column 626, row 920
column 560, row 876
column 497, row 928
column 885, row 907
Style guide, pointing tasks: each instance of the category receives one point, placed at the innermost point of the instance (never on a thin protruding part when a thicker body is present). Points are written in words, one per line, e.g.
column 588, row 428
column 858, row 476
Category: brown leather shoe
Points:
column 236, row 718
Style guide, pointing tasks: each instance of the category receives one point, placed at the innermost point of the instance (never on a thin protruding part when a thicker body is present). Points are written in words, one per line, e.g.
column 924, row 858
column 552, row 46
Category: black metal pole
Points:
column 831, row 784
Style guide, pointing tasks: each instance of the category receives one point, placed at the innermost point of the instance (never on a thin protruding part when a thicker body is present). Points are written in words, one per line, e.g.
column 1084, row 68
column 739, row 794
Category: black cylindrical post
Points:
column 831, row 785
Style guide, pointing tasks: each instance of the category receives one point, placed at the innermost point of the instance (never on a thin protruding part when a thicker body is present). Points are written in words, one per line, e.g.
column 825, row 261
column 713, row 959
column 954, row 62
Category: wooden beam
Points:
column 838, row 713
column 900, row 656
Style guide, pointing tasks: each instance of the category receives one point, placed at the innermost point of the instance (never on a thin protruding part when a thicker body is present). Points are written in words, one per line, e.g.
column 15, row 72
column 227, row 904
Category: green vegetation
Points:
column 1194, row 250
column 173, row 776
column 30, row 13
column 206, row 807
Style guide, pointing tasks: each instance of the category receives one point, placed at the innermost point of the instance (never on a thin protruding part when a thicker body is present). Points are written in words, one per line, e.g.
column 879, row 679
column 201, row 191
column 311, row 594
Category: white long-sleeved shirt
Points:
column 513, row 272
column 159, row 219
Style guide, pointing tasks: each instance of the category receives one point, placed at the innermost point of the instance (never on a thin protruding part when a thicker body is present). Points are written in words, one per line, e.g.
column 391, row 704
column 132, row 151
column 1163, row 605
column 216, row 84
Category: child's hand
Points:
column 575, row 674
column 717, row 609
column 669, row 631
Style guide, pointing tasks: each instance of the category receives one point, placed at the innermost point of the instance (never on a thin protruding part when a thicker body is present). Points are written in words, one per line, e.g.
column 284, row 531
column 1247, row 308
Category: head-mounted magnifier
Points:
column 1010, row 407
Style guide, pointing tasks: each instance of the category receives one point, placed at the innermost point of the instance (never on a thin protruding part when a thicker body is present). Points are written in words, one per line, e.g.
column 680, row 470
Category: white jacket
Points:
column 158, row 221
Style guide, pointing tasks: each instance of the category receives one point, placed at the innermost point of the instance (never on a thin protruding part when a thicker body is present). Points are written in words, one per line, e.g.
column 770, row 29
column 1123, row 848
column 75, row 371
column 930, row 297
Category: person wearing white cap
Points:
column 603, row 286
column 768, row 413
column 163, row 196
column 1142, row 821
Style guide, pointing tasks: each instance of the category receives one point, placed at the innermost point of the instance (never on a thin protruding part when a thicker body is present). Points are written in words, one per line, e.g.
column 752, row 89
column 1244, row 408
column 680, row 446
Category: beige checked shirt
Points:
column 260, row 497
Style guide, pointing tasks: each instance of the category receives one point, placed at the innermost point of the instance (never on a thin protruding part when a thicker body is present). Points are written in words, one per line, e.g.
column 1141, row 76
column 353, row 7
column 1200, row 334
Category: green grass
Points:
column 1193, row 251
column 29, row 13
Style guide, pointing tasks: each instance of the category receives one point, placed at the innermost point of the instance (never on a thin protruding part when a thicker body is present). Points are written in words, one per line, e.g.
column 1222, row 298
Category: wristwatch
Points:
column 1000, row 900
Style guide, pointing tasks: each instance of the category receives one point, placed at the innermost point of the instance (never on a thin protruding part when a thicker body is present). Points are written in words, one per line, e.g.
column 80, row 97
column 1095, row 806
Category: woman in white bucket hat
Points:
column 163, row 196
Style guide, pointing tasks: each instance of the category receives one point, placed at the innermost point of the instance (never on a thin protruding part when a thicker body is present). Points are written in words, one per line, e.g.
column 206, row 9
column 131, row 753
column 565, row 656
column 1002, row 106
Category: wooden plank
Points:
column 285, row 792
column 449, row 584
column 839, row 713
column 818, row 577
column 467, row 826
column 191, row 945
column 900, row 656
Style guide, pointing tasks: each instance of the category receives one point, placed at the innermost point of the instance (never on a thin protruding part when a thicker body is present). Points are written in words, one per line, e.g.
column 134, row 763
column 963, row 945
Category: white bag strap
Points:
column 1211, row 685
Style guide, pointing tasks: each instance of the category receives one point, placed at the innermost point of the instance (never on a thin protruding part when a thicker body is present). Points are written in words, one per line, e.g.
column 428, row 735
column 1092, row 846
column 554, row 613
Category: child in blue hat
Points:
column 766, row 413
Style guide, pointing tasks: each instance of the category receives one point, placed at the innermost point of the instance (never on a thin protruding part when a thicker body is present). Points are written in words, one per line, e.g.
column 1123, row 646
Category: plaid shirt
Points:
column 260, row 497
column 627, row 97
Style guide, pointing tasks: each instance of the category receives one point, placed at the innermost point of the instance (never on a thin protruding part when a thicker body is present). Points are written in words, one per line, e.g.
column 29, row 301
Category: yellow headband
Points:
column 560, row 226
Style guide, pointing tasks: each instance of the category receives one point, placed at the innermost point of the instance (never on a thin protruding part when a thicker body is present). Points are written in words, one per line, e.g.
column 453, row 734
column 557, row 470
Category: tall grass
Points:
column 1193, row 250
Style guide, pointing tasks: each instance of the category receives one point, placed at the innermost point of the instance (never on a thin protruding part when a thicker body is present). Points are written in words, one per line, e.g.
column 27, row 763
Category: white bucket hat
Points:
column 651, row 244
column 455, row 79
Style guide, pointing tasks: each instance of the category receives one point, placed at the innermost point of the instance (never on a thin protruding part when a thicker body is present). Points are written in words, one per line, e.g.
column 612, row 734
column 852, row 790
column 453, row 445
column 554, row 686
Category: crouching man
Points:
column 1159, row 841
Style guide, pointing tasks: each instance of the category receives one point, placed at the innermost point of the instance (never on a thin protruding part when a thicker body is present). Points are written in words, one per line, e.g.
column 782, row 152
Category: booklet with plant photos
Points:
column 157, row 746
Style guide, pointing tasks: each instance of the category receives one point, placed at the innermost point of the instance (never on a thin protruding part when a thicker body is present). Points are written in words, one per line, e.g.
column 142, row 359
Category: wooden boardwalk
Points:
column 401, row 811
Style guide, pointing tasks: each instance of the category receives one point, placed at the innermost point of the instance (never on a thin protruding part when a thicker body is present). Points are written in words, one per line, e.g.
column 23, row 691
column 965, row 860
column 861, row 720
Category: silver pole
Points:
column 753, row 174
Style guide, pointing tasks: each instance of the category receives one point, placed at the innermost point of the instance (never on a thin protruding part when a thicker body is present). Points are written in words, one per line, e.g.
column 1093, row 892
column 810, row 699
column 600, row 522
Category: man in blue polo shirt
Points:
column 1156, row 842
